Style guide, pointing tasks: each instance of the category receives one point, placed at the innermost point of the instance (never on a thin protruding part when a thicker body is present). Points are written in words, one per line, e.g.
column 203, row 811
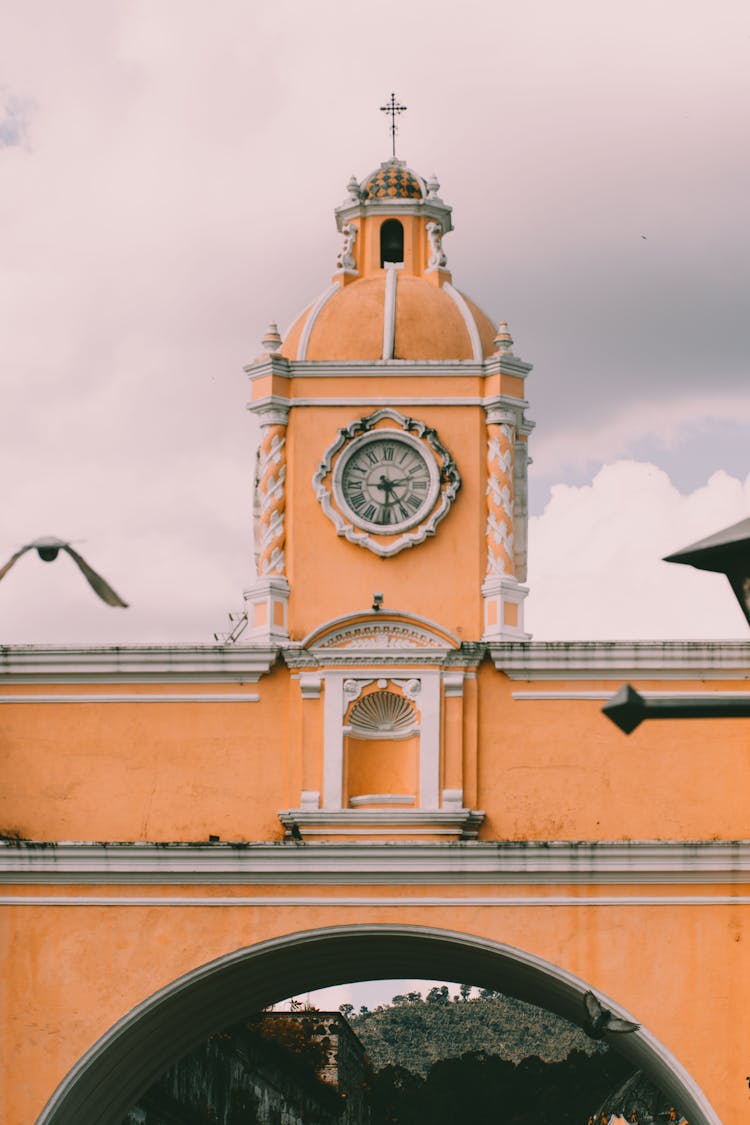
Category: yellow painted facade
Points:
column 465, row 810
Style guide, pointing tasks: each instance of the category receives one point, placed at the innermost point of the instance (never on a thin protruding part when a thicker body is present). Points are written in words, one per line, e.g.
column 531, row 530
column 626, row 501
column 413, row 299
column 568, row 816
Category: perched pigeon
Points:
column 600, row 1020
column 296, row 834
column 48, row 549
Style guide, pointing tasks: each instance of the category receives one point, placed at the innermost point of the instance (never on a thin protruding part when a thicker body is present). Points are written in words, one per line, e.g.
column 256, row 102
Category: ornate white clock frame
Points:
column 447, row 481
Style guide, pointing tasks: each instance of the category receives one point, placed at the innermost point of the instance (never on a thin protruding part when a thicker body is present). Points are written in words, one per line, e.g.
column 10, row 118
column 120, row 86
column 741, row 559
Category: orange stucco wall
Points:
column 80, row 968
column 556, row 770
column 147, row 771
column 548, row 769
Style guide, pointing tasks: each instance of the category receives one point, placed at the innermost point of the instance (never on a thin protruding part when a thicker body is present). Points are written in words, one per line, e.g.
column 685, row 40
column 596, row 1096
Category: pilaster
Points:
column 266, row 601
column 502, row 593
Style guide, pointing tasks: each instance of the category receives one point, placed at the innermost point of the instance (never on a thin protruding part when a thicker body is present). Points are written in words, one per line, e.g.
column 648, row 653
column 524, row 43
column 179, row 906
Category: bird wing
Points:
column 95, row 581
column 616, row 1024
column 593, row 1008
column 13, row 559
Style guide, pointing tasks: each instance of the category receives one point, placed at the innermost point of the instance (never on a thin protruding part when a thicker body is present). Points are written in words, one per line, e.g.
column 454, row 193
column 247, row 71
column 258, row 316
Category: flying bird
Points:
column 599, row 1020
column 48, row 549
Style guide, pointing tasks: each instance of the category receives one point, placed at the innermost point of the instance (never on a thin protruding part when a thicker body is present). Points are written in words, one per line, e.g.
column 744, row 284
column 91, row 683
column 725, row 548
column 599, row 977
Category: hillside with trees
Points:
column 493, row 1060
column 415, row 1031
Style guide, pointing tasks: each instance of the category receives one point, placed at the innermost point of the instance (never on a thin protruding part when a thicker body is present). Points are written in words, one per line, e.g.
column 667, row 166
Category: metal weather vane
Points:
column 393, row 108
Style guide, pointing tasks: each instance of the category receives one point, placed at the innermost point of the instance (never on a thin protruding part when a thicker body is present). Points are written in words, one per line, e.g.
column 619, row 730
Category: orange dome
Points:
column 379, row 318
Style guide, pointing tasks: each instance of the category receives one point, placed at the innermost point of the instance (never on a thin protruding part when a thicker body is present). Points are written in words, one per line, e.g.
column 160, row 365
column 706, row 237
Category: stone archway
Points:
column 114, row 1073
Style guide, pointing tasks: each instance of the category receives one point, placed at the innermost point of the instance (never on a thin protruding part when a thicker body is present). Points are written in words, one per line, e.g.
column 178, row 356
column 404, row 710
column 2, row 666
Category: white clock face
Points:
column 386, row 481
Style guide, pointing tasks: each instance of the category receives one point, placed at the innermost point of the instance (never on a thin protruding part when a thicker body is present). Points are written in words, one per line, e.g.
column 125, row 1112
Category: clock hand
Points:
column 388, row 485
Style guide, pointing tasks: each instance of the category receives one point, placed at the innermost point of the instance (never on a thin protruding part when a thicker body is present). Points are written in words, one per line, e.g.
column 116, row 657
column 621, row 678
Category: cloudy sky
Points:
column 168, row 171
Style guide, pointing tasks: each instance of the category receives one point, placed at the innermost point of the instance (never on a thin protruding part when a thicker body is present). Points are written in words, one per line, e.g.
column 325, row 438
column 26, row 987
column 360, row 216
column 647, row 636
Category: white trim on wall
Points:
column 472, row 862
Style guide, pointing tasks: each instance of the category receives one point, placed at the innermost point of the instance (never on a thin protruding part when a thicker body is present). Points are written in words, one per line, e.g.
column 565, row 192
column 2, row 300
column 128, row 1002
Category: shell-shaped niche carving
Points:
column 382, row 712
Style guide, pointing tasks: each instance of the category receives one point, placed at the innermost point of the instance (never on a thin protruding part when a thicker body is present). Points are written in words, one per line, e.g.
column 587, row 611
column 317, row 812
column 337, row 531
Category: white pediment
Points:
column 381, row 632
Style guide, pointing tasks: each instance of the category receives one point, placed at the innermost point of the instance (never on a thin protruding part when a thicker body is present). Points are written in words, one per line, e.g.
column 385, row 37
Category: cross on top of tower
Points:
column 393, row 108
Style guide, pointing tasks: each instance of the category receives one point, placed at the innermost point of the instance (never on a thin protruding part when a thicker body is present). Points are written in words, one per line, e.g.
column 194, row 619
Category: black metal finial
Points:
column 394, row 109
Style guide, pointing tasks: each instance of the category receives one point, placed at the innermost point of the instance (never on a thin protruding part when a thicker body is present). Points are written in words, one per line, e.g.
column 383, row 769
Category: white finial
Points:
column 353, row 188
column 271, row 342
column 433, row 186
column 503, row 340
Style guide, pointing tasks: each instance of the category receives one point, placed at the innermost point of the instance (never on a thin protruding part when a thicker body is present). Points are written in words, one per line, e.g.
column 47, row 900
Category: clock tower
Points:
column 390, row 504
column 393, row 437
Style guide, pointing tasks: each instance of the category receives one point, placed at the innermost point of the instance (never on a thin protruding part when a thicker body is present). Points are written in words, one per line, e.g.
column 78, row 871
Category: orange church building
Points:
column 376, row 773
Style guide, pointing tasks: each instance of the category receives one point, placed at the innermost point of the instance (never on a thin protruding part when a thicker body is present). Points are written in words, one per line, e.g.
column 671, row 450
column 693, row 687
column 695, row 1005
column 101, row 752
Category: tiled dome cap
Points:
column 393, row 180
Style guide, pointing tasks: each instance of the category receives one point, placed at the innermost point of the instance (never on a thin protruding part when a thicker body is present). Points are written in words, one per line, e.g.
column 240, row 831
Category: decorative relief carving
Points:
column 353, row 690
column 270, row 501
column 438, row 259
column 386, row 709
column 379, row 636
column 410, row 688
column 500, row 481
column 345, row 259
column 383, row 712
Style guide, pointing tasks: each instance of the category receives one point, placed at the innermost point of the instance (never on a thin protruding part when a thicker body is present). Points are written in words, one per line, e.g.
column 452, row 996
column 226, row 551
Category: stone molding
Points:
column 621, row 660
column 238, row 663
column 388, row 822
column 468, row 862
column 30, row 664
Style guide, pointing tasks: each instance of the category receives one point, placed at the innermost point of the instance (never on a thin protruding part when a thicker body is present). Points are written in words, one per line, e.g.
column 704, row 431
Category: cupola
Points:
column 392, row 295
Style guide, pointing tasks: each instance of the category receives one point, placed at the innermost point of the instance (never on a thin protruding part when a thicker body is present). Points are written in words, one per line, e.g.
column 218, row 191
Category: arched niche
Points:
column 125, row 1062
column 381, row 749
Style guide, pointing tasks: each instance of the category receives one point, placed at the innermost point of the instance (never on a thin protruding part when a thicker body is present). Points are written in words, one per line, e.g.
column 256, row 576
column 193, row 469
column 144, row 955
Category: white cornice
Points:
column 621, row 660
column 268, row 365
column 269, row 403
column 238, row 663
column 508, row 402
column 507, row 364
column 28, row 664
column 383, row 368
column 426, row 208
column 466, row 862
column 367, row 402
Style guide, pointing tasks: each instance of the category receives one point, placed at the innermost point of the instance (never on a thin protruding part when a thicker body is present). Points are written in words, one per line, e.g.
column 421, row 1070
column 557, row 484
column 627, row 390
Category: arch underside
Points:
column 117, row 1070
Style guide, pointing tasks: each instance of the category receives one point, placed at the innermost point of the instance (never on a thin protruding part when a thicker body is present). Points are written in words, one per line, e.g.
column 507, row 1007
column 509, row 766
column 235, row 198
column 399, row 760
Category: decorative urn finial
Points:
column 503, row 340
column 433, row 187
column 271, row 342
column 353, row 188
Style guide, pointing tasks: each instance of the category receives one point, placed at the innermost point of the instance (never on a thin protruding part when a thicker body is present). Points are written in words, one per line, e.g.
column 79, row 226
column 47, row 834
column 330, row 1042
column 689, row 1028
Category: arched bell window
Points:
column 391, row 242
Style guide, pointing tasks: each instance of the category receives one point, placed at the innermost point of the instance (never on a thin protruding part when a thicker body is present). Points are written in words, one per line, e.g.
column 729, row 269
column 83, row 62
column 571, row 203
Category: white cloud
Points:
column 595, row 569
